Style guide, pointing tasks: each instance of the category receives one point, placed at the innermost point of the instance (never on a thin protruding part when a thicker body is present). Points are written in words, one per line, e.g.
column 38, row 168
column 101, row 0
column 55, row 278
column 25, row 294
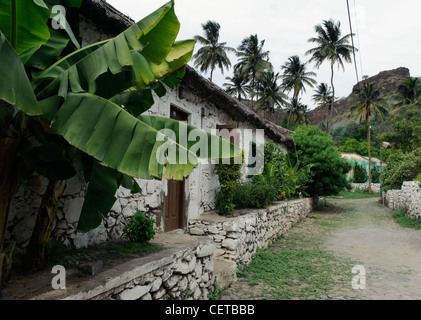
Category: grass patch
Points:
column 297, row 267
column 127, row 249
column 355, row 195
column 405, row 220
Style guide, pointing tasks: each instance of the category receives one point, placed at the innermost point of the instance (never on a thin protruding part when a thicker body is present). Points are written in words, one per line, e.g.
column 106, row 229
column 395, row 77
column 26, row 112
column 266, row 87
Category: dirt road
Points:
column 361, row 231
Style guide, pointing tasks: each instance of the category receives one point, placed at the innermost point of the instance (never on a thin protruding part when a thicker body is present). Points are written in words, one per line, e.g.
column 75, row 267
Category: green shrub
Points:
column 418, row 178
column 328, row 170
column 360, row 173
column 258, row 192
column 139, row 229
column 400, row 168
column 375, row 175
column 228, row 175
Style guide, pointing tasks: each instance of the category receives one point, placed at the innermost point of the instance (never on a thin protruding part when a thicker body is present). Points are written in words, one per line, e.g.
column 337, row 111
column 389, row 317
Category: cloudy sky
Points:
column 387, row 31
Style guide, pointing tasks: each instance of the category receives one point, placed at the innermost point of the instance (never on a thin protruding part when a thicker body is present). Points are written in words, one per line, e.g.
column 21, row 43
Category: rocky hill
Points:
column 386, row 82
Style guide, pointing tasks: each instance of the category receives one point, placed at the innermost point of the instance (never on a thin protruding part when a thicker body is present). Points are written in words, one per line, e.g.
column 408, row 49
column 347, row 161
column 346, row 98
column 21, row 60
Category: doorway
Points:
column 175, row 201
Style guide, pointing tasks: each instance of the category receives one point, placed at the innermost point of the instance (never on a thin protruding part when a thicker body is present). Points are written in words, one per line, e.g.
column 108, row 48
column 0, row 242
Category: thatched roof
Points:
column 113, row 22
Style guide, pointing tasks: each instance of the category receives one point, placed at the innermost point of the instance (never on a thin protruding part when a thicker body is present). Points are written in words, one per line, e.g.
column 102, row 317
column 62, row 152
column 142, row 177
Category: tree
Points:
column 237, row 86
column 360, row 173
column 298, row 112
column 270, row 92
column 322, row 95
column 253, row 60
column 370, row 104
column 405, row 129
column 295, row 77
column 89, row 101
column 409, row 92
column 329, row 171
column 333, row 48
column 213, row 53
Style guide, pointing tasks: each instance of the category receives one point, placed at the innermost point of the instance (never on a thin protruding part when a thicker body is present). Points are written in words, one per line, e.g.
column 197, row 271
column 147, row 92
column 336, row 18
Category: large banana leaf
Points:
column 138, row 56
column 115, row 138
column 15, row 87
column 24, row 23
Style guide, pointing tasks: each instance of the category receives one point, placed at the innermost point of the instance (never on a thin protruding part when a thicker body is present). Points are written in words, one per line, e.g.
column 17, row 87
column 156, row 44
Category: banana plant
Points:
column 93, row 98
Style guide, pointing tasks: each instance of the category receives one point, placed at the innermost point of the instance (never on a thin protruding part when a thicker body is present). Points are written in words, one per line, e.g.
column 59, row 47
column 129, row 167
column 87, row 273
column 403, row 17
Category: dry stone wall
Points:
column 408, row 198
column 238, row 238
column 375, row 187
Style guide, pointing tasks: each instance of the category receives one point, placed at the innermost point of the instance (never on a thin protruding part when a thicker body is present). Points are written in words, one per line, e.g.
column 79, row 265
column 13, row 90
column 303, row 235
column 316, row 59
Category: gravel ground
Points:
column 360, row 230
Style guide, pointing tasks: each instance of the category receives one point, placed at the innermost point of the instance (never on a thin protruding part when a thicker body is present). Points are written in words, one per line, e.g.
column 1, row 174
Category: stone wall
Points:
column 375, row 187
column 408, row 198
column 183, row 271
column 238, row 238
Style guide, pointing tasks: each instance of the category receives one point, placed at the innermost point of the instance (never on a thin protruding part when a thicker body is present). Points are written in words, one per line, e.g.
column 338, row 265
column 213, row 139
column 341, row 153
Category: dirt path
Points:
column 355, row 232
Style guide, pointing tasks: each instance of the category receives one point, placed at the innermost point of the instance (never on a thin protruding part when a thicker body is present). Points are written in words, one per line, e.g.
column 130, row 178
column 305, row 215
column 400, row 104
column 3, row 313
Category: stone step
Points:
column 225, row 272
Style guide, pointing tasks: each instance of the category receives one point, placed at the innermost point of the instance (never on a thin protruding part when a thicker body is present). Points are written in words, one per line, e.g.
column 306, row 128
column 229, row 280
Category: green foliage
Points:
column 139, row 229
column 352, row 145
column 375, row 175
column 400, row 168
column 405, row 133
column 405, row 220
column 229, row 175
column 258, row 192
column 360, row 173
column 418, row 178
column 328, row 172
column 128, row 249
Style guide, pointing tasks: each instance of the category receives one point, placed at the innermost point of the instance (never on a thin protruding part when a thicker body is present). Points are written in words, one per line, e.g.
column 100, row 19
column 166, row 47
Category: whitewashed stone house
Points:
column 172, row 204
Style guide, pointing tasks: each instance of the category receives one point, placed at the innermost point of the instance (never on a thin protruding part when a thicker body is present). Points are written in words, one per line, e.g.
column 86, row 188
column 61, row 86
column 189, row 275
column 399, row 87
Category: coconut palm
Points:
column 409, row 92
column 237, row 86
column 296, row 77
column 370, row 104
column 298, row 112
column 213, row 53
column 333, row 48
column 253, row 60
column 322, row 95
column 270, row 92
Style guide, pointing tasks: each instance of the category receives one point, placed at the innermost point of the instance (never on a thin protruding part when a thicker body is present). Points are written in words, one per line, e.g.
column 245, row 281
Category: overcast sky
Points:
column 387, row 31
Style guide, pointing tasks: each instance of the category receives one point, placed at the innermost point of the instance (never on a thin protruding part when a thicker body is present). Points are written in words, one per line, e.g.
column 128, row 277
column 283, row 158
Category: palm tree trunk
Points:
column 329, row 123
column 369, row 153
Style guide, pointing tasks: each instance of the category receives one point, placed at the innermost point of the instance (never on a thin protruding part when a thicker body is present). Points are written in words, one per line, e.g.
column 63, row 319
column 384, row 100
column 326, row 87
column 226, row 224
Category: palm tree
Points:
column 409, row 92
column 298, row 112
column 270, row 92
column 370, row 104
column 253, row 60
column 213, row 53
column 332, row 47
column 295, row 77
column 322, row 95
column 237, row 86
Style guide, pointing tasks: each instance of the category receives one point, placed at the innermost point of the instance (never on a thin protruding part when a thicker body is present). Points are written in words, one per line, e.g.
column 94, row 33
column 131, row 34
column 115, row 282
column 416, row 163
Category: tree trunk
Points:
column 329, row 125
column 369, row 153
column 35, row 255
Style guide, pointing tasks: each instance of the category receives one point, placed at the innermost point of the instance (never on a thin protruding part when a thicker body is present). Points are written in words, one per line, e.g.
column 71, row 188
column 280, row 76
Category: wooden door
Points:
column 175, row 202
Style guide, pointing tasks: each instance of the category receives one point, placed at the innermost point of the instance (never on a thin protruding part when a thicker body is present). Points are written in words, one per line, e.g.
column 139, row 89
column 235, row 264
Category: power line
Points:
column 352, row 41
column 358, row 40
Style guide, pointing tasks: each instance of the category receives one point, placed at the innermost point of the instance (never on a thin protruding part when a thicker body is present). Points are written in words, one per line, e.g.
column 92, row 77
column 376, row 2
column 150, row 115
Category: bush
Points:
column 329, row 170
column 259, row 192
column 229, row 175
column 139, row 229
column 360, row 173
column 375, row 175
column 401, row 168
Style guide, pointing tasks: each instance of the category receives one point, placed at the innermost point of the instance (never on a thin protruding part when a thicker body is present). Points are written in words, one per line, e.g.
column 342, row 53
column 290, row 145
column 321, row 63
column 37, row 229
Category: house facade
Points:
column 196, row 101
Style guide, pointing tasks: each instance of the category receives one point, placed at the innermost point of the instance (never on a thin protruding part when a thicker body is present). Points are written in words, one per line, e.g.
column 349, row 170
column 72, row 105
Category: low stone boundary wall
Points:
column 185, row 271
column 408, row 198
column 238, row 238
column 375, row 187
